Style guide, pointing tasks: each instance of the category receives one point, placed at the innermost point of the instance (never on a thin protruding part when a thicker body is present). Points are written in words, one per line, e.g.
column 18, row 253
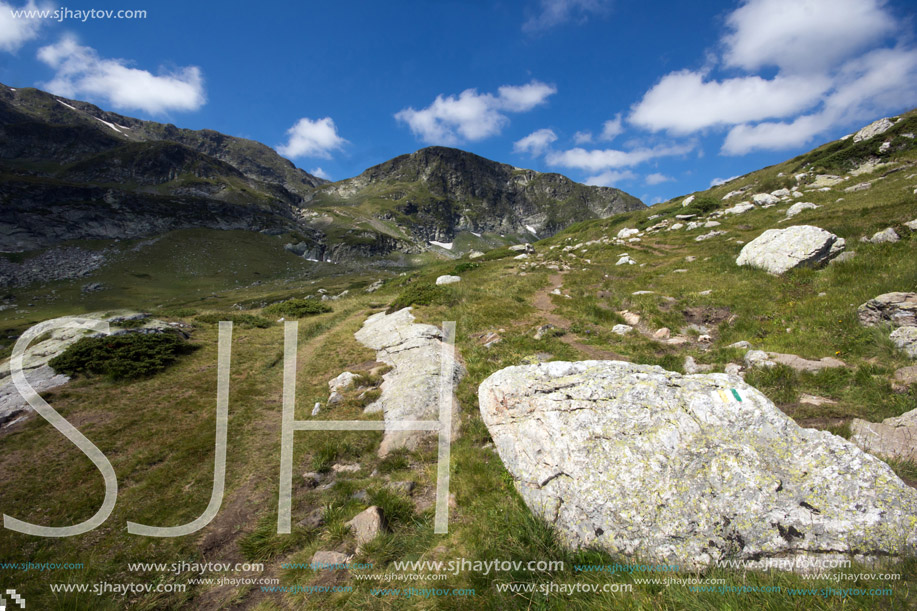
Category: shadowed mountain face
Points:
column 72, row 171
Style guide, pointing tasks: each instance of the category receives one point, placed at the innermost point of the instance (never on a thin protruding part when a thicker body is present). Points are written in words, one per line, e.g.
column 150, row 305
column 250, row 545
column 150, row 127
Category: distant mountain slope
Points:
column 70, row 171
column 437, row 192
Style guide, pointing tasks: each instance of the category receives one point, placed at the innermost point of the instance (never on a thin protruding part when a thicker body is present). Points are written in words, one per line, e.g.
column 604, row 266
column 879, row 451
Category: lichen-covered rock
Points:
column 688, row 470
column 891, row 438
column 899, row 309
column 448, row 280
column 410, row 391
column 779, row 250
column 799, row 207
column 367, row 525
column 905, row 338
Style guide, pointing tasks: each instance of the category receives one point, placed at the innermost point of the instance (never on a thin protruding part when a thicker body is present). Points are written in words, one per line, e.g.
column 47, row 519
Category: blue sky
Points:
column 656, row 98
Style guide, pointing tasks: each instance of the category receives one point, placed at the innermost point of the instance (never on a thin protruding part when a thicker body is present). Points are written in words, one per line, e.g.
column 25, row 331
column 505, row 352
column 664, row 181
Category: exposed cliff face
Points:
column 437, row 192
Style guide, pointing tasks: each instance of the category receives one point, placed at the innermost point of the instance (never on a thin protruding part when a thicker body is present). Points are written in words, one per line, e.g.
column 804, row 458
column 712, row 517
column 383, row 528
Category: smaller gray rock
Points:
column 764, row 199
column 622, row 329
column 448, row 280
column 367, row 525
column 316, row 409
column 905, row 338
column 345, row 468
column 742, row 345
column 799, row 207
column 733, row 369
column 312, row 479
column 757, row 358
column 899, row 309
column 329, row 560
column 405, row 487
column 886, row 236
column 314, row 519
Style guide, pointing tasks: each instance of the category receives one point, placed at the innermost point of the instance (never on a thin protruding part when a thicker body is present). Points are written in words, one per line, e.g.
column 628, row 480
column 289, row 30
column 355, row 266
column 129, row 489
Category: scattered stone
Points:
column 643, row 293
column 360, row 495
column 344, row 381
column 707, row 292
column 676, row 226
column 847, row 255
column 345, row 467
column 544, row 330
column 314, row 519
column 873, row 129
column 475, row 254
column 316, row 409
column 622, row 329
column 705, row 338
column 742, row 345
column 710, row 224
column 375, row 286
column 912, row 225
column 816, row 400
column 695, row 469
column 904, row 377
column 800, row 364
column 764, row 199
column 678, row 340
column 757, row 358
column 405, row 487
column 684, row 217
column 630, row 318
column 858, row 187
column 367, row 525
column 448, row 280
column 687, row 201
column 733, row 369
column 627, row 232
column 335, row 398
column 899, row 309
column 709, row 235
column 92, row 287
column 779, row 250
column 691, row 366
column 891, row 438
column 781, row 193
column 625, row 260
column 330, row 559
column 799, row 207
column 886, row 236
column 740, row 208
column 662, row 333
column 905, row 338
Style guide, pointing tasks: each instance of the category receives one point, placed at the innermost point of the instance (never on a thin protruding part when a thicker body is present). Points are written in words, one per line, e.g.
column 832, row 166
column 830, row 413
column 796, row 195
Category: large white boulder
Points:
column 688, row 469
column 410, row 391
column 779, row 250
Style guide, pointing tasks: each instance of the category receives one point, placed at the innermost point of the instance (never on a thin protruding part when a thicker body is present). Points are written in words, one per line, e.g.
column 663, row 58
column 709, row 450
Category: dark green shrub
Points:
column 297, row 308
column 122, row 357
column 246, row 321
column 420, row 294
column 465, row 266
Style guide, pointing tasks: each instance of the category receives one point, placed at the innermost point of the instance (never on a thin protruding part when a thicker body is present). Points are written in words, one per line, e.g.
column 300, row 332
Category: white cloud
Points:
column 612, row 128
column 601, row 159
column 555, row 12
column 16, row 31
column 803, row 35
column 610, row 178
column 819, row 83
column 310, row 138
column 472, row 116
column 535, row 143
column 656, row 178
column 683, row 102
column 80, row 72
column 721, row 181
column 320, row 173
column 524, row 97
column 582, row 137
column 881, row 80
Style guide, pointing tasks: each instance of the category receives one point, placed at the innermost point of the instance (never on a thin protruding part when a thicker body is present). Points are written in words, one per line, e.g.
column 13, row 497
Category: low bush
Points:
column 420, row 293
column 297, row 308
column 246, row 321
column 122, row 357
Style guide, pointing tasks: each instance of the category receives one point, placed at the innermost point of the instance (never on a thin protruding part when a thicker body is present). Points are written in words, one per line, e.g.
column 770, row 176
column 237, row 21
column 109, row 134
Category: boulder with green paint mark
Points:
column 672, row 468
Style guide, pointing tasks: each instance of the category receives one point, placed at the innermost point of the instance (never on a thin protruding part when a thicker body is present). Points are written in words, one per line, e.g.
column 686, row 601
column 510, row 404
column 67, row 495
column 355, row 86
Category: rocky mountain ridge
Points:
column 72, row 171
